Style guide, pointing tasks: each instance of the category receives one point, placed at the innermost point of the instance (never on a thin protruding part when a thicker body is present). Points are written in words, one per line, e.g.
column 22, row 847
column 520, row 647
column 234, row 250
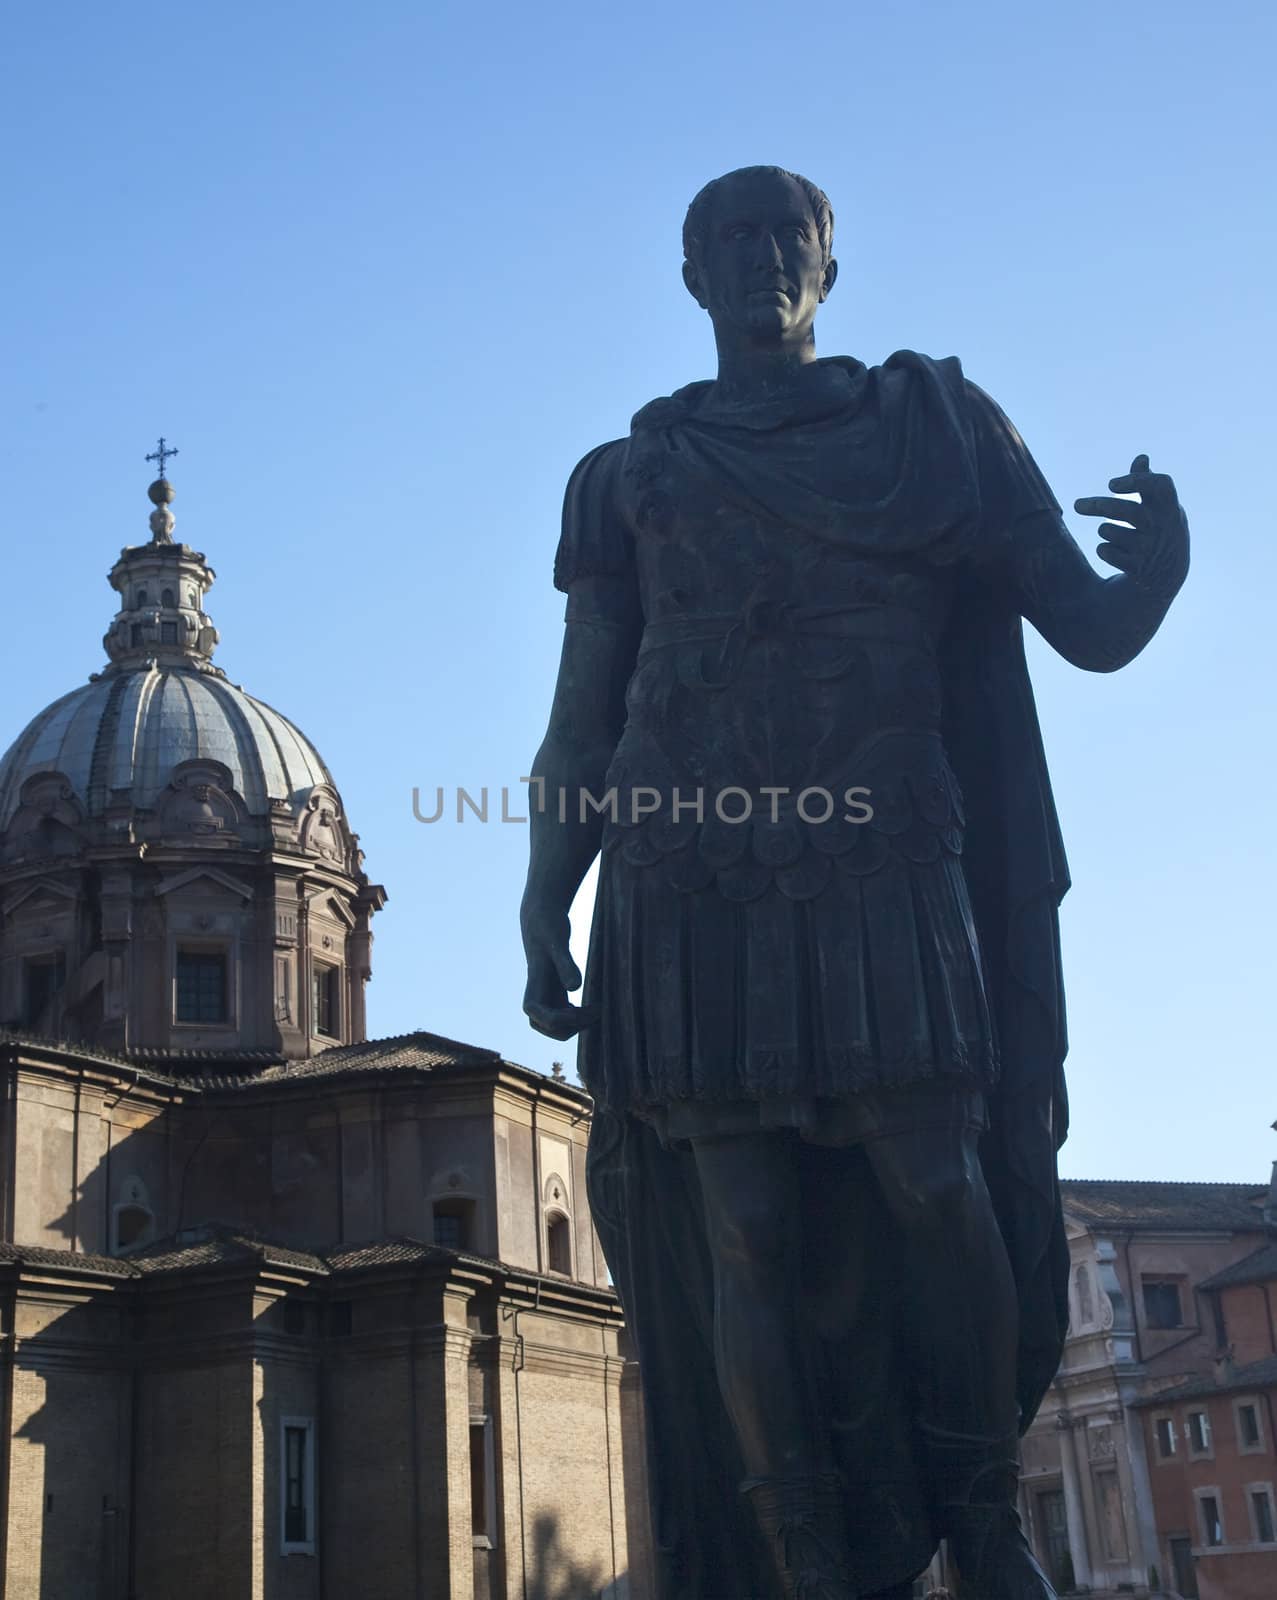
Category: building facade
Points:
column 1099, row 1508
column 1212, row 1447
column 284, row 1312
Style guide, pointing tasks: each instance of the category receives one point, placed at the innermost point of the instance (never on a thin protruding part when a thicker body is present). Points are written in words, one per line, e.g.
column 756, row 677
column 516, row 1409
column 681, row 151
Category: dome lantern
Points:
column 162, row 586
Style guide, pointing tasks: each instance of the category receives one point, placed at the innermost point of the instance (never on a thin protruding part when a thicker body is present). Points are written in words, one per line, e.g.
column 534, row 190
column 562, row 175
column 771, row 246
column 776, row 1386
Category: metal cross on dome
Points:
column 162, row 454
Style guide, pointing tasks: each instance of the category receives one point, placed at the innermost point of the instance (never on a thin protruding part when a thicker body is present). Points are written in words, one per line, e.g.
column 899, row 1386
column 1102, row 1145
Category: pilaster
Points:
column 446, row 1551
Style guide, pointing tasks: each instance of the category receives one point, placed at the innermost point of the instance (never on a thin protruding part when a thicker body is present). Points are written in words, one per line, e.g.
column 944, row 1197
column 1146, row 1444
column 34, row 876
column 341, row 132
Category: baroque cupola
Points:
column 177, row 873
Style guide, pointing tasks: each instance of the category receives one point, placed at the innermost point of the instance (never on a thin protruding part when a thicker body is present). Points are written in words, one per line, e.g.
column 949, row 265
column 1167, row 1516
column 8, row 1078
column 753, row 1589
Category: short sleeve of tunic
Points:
column 1011, row 483
column 595, row 541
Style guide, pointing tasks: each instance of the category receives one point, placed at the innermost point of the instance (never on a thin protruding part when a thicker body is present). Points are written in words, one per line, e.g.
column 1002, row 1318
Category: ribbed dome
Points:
column 128, row 730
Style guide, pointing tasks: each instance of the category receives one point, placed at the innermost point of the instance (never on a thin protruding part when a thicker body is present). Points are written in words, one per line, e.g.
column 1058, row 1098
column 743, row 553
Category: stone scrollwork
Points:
column 322, row 831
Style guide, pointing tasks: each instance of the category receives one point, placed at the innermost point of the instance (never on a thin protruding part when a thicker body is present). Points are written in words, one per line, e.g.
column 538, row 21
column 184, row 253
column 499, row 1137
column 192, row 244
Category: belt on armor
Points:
column 775, row 619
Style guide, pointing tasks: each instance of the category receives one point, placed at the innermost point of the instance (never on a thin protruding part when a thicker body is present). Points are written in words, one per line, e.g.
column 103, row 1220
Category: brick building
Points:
column 1150, row 1266
column 284, row 1312
column 1212, row 1445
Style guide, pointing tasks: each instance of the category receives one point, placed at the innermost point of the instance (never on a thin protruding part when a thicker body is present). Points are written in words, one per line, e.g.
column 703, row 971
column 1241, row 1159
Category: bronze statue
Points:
column 823, row 1019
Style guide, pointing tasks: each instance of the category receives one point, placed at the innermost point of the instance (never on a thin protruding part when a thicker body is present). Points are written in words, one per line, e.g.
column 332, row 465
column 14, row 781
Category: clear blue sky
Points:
column 384, row 273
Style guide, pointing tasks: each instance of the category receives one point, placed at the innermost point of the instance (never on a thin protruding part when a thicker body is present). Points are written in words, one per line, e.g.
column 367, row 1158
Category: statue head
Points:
column 758, row 245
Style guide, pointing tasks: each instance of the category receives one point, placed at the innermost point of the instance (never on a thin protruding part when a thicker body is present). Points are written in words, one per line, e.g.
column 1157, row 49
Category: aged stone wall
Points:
column 198, row 1480
column 573, row 1460
column 68, row 1401
column 368, row 1473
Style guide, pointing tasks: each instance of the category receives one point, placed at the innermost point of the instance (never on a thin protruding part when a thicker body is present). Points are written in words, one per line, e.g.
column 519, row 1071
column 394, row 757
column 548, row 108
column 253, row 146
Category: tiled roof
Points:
column 215, row 1242
column 384, row 1253
column 72, row 1260
column 1165, row 1207
column 414, row 1052
column 1254, row 1268
column 87, row 1052
column 234, row 1057
column 210, row 1071
column 1258, row 1375
column 408, row 1053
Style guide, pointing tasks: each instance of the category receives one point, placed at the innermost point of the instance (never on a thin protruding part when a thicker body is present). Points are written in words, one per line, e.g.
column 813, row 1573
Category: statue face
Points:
column 762, row 272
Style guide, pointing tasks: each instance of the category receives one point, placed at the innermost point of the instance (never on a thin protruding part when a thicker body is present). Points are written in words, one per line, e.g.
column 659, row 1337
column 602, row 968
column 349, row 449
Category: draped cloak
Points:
column 908, row 457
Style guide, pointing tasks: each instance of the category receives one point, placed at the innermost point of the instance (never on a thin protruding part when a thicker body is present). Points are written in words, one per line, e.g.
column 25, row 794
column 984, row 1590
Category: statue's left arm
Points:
column 1096, row 623
column 1102, row 623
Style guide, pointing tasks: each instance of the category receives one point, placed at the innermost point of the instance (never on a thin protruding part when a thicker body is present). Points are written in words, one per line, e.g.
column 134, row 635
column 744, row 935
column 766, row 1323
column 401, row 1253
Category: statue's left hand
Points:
column 1153, row 550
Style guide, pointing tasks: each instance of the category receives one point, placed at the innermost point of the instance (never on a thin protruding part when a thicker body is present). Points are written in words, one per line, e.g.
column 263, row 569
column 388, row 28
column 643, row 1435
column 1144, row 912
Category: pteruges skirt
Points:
column 857, row 1011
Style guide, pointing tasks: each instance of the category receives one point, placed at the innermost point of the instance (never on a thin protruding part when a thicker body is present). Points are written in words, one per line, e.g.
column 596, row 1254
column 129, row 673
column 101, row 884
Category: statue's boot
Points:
column 974, row 1481
column 802, row 1520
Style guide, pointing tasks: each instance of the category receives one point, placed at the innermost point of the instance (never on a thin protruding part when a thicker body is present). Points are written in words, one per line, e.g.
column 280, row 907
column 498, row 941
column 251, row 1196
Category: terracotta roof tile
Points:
column 1165, row 1207
column 72, row 1260
column 214, row 1071
column 418, row 1051
column 1254, row 1268
column 383, row 1253
column 215, row 1242
column 1257, row 1375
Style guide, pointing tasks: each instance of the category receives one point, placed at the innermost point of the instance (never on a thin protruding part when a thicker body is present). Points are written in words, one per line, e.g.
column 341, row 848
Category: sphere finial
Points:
column 161, row 496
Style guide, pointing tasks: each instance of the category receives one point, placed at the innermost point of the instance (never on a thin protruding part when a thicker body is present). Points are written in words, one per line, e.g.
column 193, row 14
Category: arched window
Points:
column 558, row 1240
column 166, row 599
column 132, row 1226
column 141, row 597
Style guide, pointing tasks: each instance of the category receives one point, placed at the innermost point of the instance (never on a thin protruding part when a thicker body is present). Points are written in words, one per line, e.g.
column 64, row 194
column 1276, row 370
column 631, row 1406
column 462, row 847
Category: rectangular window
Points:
column 1198, row 1433
column 201, row 986
column 452, row 1224
column 1248, row 1434
column 1164, row 1428
column 43, row 977
column 297, row 1485
column 1212, row 1523
column 478, row 1480
column 324, row 1008
column 135, row 634
column 482, row 1505
column 168, row 632
column 1261, row 1510
column 1162, row 1308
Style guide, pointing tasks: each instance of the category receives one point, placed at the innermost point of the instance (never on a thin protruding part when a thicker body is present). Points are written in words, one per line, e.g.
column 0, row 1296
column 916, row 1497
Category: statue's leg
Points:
column 849, row 1305
column 957, row 1295
column 958, row 1324
column 749, row 1183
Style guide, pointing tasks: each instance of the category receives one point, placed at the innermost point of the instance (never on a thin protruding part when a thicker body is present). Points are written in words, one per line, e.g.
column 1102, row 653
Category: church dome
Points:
column 127, row 733
column 160, row 746
column 177, row 873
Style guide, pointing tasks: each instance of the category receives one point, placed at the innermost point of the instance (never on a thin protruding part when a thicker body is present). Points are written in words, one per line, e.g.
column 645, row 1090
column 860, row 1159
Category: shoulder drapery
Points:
column 595, row 541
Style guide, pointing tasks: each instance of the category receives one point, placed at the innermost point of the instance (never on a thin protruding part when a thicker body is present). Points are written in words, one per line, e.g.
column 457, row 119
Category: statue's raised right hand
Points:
column 552, row 973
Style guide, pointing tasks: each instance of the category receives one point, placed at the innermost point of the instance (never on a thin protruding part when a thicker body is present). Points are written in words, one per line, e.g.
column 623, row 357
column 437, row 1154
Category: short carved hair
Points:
column 697, row 219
